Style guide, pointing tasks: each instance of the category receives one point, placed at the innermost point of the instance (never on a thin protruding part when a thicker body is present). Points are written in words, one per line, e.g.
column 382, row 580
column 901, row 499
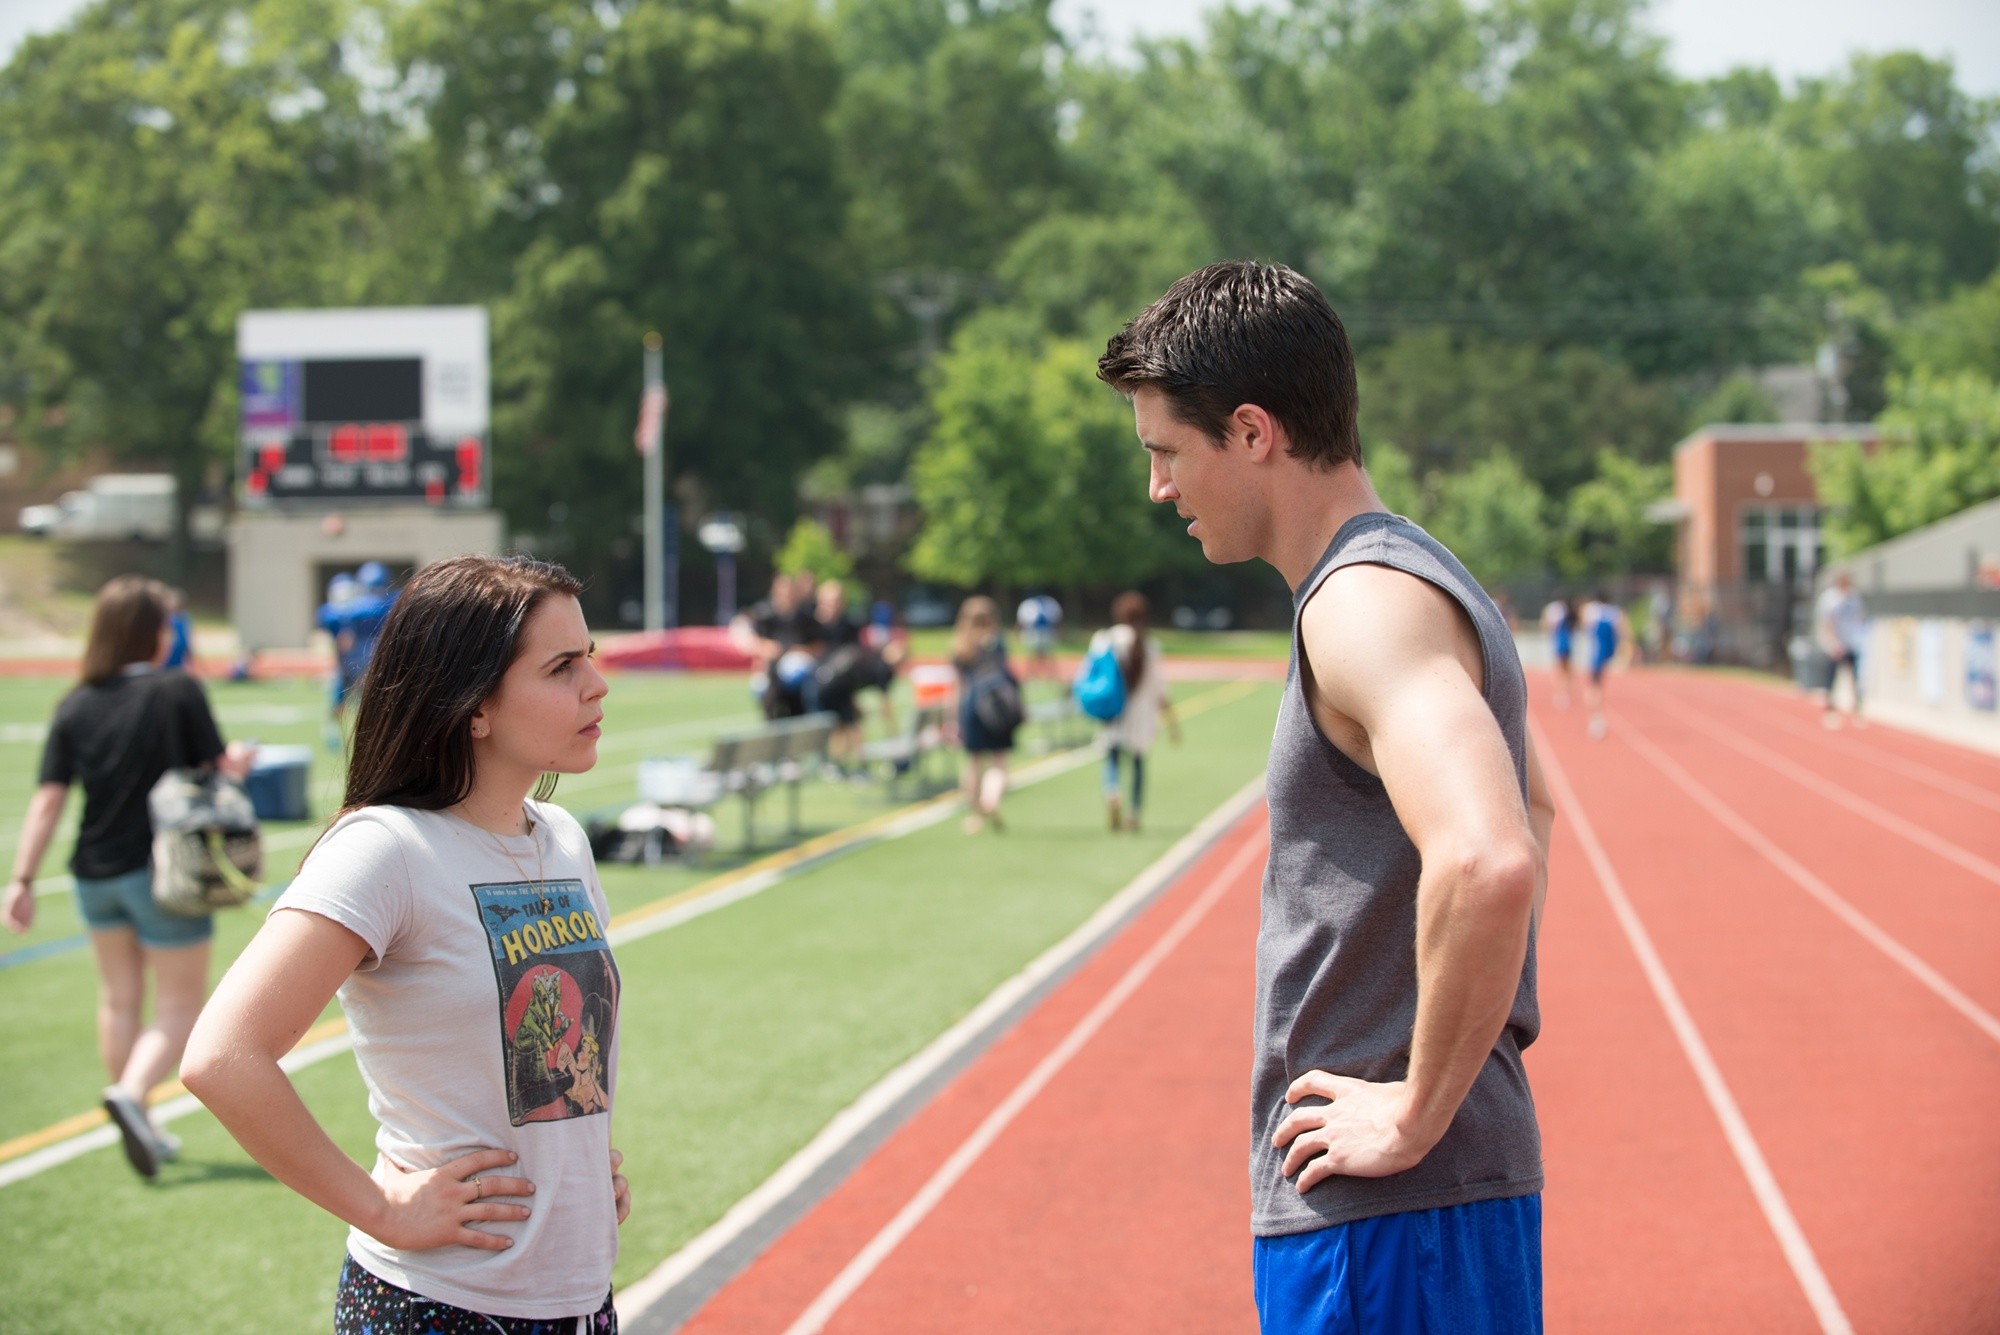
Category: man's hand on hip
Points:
column 1366, row 1131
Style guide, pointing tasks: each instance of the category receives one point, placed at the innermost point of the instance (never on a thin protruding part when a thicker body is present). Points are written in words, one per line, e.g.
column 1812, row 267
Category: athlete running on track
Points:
column 1395, row 1161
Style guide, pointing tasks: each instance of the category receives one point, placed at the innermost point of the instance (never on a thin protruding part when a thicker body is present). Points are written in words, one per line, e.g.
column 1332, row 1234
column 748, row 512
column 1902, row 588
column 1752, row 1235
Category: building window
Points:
column 1781, row 544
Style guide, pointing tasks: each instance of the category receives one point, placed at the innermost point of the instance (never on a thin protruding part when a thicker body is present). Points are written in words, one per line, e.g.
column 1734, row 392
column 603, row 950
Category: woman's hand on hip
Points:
column 438, row 1206
column 621, row 1190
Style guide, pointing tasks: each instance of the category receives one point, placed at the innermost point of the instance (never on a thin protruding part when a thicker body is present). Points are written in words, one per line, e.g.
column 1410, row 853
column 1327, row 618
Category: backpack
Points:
column 207, row 854
column 996, row 701
column 1100, row 685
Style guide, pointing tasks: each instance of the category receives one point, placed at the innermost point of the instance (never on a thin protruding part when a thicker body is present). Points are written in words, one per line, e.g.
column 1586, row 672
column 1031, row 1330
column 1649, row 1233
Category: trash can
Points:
column 278, row 782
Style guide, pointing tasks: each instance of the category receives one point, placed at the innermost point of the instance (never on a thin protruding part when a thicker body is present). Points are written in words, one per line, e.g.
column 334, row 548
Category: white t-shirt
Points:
column 485, row 1016
column 1136, row 728
column 1842, row 622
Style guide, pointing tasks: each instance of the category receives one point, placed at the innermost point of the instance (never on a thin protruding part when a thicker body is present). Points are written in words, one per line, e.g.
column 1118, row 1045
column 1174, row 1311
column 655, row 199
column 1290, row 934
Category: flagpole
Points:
column 651, row 430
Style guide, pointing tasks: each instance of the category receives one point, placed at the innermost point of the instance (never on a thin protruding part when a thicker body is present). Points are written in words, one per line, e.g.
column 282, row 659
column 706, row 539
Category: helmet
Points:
column 374, row 576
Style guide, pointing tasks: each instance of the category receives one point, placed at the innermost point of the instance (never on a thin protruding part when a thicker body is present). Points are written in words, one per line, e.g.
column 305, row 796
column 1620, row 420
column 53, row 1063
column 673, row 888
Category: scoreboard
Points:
column 381, row 404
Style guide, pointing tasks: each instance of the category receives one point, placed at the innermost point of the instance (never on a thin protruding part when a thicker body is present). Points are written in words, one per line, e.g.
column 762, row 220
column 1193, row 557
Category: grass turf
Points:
column 742, row 1031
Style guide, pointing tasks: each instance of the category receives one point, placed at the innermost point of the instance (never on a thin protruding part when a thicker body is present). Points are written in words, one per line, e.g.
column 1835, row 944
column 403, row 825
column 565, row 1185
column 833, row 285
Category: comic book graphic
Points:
column 558, row 997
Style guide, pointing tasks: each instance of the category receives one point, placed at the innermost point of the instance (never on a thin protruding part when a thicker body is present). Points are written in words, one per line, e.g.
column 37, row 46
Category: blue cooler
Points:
column 277, row 782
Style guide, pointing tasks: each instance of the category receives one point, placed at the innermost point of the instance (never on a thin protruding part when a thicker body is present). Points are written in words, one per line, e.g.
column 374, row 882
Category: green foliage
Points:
column 165, row 164
column 1605, row 526
column 1032, row 475
column 810, row 547
column 1492, row 516
column 1940, row 452
column 1739, row 398
column 1961, row 333
column 1450, row 401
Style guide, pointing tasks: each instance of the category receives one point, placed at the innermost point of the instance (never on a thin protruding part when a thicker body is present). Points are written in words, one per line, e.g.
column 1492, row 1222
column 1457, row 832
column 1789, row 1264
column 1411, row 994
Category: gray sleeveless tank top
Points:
column 1336, row 948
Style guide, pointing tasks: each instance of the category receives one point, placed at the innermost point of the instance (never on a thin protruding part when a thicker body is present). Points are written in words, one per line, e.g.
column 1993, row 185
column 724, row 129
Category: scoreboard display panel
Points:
column 370, row 405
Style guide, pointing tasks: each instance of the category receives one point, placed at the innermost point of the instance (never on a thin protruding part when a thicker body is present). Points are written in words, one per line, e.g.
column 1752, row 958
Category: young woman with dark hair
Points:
column 1130, row 736
column 124, row 725
column 462, row 926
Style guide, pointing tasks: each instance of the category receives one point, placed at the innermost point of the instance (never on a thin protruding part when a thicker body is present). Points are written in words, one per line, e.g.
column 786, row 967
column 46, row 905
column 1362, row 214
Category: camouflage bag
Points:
column 207, row 854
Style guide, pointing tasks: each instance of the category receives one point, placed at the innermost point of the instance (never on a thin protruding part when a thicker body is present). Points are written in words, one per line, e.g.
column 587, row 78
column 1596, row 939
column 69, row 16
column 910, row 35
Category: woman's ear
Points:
column 481, row 725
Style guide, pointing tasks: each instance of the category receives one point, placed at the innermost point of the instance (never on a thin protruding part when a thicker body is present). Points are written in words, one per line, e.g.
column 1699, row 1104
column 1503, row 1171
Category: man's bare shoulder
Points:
column 1368, row 627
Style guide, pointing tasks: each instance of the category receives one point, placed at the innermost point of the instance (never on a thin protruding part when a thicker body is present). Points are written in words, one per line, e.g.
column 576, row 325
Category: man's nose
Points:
column 1160, row 485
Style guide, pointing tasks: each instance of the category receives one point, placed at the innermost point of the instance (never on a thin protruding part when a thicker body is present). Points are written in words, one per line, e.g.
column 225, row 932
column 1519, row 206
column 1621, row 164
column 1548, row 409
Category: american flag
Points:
column 652, row 419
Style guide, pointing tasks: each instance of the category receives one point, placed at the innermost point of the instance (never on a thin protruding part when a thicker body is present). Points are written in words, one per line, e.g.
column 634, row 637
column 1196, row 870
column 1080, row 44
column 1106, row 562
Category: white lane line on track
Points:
column 1865, row 927
column 1763, row 1183
column 864, row 1264
column 1833, row 792
column 855, row 1119
column 1846, row 743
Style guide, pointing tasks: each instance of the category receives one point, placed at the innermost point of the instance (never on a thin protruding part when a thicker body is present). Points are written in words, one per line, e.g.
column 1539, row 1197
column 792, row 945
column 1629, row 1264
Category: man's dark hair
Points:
column 1242, row 332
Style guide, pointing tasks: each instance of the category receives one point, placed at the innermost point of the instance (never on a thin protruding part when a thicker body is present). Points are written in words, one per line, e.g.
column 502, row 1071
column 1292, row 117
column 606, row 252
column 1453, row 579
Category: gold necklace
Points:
column 538, row 883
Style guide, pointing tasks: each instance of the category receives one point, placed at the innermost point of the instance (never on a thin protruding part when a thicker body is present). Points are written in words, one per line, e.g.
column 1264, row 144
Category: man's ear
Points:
column 1256, row 431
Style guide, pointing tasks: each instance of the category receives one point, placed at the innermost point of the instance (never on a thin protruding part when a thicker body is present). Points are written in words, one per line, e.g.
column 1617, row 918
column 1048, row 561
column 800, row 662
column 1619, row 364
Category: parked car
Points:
column 115, row 507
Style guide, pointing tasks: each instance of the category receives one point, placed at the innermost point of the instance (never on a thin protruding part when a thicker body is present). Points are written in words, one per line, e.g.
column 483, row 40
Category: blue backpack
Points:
column 1100, row 685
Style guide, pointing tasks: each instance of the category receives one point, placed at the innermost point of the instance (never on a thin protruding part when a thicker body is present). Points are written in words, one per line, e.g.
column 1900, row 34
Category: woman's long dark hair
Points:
column 1131, row 609
column 450, row 638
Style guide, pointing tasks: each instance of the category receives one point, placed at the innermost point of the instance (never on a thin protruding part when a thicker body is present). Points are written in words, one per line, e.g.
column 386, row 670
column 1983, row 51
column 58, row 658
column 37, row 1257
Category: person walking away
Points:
column 1130, row 736
column 1395, row 1164
column 124, row 725
column 462, row 925
column 180, row 633
column 1038, row 617
column 1840, row 625
column 1559, row 623
column 989, row 709
column 1604, row 629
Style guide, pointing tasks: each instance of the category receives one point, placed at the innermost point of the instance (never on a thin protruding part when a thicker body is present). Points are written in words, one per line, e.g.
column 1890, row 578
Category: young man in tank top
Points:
column 1395, row 1163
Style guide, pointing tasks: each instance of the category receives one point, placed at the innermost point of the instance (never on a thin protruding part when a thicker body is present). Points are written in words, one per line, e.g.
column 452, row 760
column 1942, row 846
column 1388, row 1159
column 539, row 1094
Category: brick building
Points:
column 1749, row 534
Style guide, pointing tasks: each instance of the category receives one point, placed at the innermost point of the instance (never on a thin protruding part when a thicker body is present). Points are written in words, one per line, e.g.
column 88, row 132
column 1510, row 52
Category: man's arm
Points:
column 1396, row 667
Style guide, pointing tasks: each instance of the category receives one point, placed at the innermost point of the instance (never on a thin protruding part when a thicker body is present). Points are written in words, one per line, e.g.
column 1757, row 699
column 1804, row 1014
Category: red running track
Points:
column 1838, row 975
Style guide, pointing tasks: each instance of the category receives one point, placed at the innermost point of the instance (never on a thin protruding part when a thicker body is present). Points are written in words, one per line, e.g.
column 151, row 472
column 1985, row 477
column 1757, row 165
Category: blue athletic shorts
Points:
column 1462, row 1270
column 127, row 901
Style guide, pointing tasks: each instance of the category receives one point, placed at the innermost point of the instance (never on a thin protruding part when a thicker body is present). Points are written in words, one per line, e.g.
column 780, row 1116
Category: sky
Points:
column 1792, row 37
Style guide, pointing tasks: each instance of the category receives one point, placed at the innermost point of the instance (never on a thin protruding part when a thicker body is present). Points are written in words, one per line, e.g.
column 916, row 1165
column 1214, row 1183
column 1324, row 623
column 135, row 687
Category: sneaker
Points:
column 136, row 1129
column 167, row 1144
column 1598, row 727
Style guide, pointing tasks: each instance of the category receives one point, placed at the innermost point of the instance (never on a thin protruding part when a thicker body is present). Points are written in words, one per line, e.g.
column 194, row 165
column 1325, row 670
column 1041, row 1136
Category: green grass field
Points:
column 742, row 1031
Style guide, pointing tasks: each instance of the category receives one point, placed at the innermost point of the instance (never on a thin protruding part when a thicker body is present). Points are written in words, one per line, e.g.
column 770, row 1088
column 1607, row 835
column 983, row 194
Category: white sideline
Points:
column 851, row 1121
column 1763, row 1183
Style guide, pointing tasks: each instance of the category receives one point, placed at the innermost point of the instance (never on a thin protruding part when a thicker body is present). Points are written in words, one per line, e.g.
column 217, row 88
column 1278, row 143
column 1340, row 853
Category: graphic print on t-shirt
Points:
column 558, row 997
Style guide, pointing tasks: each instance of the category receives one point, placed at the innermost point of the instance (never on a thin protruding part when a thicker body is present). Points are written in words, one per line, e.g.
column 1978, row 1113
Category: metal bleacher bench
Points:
column 743, row 763
column 904, row 753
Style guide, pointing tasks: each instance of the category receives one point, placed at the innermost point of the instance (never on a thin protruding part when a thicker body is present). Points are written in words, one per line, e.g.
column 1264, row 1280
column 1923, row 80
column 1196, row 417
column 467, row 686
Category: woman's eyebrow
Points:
column 560, row 655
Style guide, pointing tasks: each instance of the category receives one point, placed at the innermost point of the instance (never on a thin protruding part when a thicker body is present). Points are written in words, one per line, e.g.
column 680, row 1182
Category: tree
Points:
column 164, row 165
column 1031, row 475
column 1606, row 530
column 661, row 166
column 1939, row 453
column 1493, row 517
column 810, row 547
column 1961, row 333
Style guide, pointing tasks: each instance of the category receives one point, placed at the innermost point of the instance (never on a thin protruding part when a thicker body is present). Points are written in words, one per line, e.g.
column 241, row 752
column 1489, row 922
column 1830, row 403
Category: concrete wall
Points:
column 1934, row 675
column 1960, row 552
column 274, row 560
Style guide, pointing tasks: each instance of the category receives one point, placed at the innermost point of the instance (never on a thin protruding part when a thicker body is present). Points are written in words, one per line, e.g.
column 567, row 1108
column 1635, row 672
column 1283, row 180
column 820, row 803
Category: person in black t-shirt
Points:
column 125, row 725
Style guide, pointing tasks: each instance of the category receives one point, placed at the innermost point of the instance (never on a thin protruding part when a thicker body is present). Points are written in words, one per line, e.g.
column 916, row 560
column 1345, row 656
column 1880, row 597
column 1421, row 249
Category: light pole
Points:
column 722, row 535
